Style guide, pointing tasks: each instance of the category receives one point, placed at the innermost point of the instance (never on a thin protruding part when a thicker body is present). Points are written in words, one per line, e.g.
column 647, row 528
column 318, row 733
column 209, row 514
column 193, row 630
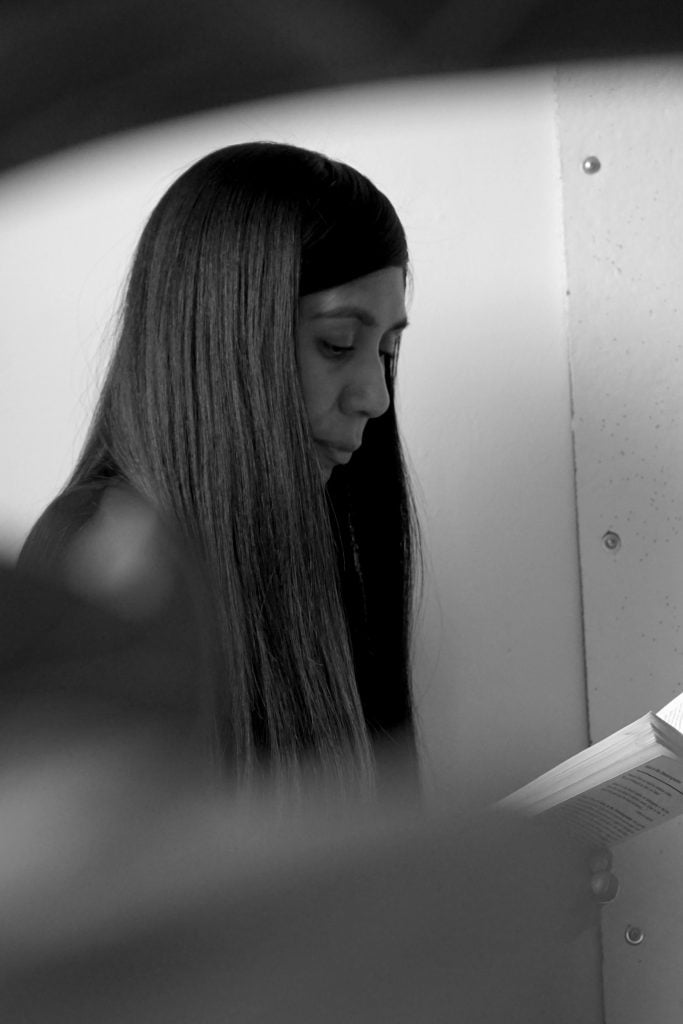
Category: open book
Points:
column 628, row 782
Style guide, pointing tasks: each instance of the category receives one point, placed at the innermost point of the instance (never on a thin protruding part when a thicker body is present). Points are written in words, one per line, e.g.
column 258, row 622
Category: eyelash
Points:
column 337, row 352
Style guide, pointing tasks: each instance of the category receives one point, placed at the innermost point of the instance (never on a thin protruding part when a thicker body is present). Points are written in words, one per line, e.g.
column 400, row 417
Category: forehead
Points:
column 377, row 299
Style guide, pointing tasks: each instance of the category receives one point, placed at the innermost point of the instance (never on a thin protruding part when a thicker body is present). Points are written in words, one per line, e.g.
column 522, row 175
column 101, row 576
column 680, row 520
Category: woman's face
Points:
column 345, row 336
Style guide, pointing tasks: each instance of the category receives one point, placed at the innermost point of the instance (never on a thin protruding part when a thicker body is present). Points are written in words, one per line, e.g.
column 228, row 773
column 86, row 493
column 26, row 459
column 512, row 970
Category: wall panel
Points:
column 624, row 226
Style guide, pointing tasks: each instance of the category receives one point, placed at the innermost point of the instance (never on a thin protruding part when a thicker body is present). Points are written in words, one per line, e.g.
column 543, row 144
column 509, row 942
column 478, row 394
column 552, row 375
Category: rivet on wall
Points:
column 611, row 540
column 634, row 935
column 591, row 165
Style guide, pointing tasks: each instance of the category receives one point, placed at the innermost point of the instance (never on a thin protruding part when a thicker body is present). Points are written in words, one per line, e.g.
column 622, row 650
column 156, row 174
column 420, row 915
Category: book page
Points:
column 631, row 747
column 624, row 806
column 673, row 712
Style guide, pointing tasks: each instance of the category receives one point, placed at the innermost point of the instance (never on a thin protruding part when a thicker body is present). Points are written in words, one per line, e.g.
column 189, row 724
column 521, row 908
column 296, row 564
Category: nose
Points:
column 366, row 393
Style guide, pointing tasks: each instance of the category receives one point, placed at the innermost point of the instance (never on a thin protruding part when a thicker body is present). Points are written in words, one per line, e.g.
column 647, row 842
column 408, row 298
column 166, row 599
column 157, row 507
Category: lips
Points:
column 337, row 453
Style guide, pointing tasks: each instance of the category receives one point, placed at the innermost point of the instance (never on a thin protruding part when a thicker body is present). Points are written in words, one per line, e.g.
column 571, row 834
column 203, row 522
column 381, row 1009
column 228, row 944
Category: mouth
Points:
column 334, row 454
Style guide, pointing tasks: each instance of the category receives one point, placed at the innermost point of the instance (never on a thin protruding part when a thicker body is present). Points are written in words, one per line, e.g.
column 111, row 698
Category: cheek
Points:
column 320, row 392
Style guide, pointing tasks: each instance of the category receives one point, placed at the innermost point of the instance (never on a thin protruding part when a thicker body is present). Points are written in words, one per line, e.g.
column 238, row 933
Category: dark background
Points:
column 73, row 70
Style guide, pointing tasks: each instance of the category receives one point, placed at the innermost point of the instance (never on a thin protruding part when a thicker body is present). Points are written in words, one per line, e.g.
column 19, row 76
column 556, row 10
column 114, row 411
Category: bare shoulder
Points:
column 45, row 550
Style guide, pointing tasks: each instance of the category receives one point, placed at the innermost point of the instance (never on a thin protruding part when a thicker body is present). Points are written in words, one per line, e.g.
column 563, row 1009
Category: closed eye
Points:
column 339, row 352
column 335, row 351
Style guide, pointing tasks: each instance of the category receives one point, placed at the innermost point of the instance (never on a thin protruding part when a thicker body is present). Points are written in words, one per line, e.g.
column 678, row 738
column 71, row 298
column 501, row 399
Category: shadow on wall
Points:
column 221, row 53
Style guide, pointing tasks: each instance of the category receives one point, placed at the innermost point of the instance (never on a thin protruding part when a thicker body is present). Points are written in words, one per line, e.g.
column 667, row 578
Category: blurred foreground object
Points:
column 134, row 889
column 79, row 69
column 128, row 897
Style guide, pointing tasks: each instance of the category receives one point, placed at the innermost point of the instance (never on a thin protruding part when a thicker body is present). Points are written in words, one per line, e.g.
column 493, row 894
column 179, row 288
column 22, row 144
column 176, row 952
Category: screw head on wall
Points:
column 611, row 541
column 634, row 935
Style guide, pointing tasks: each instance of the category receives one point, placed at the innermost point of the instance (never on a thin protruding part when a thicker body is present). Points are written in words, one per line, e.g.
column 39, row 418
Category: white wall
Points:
column 624, row 230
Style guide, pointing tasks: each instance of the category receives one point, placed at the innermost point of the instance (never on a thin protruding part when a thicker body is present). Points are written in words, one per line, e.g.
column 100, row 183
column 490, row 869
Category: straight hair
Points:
column 202, row 414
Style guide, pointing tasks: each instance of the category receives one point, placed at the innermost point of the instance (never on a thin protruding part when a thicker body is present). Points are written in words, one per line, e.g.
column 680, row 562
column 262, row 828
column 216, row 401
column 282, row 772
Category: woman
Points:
column 250, row 402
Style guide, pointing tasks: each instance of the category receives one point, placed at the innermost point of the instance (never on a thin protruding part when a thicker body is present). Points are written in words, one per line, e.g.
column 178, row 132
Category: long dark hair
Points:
column 201, row 412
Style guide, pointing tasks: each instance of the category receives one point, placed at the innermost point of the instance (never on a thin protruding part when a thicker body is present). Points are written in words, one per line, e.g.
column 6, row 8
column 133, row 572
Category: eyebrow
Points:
column 358, row 313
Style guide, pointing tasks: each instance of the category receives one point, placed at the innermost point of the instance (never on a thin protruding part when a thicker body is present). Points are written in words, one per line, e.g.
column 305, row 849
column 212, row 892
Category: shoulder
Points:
column 121, row 621
column 104, row 541
column 52, row 536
